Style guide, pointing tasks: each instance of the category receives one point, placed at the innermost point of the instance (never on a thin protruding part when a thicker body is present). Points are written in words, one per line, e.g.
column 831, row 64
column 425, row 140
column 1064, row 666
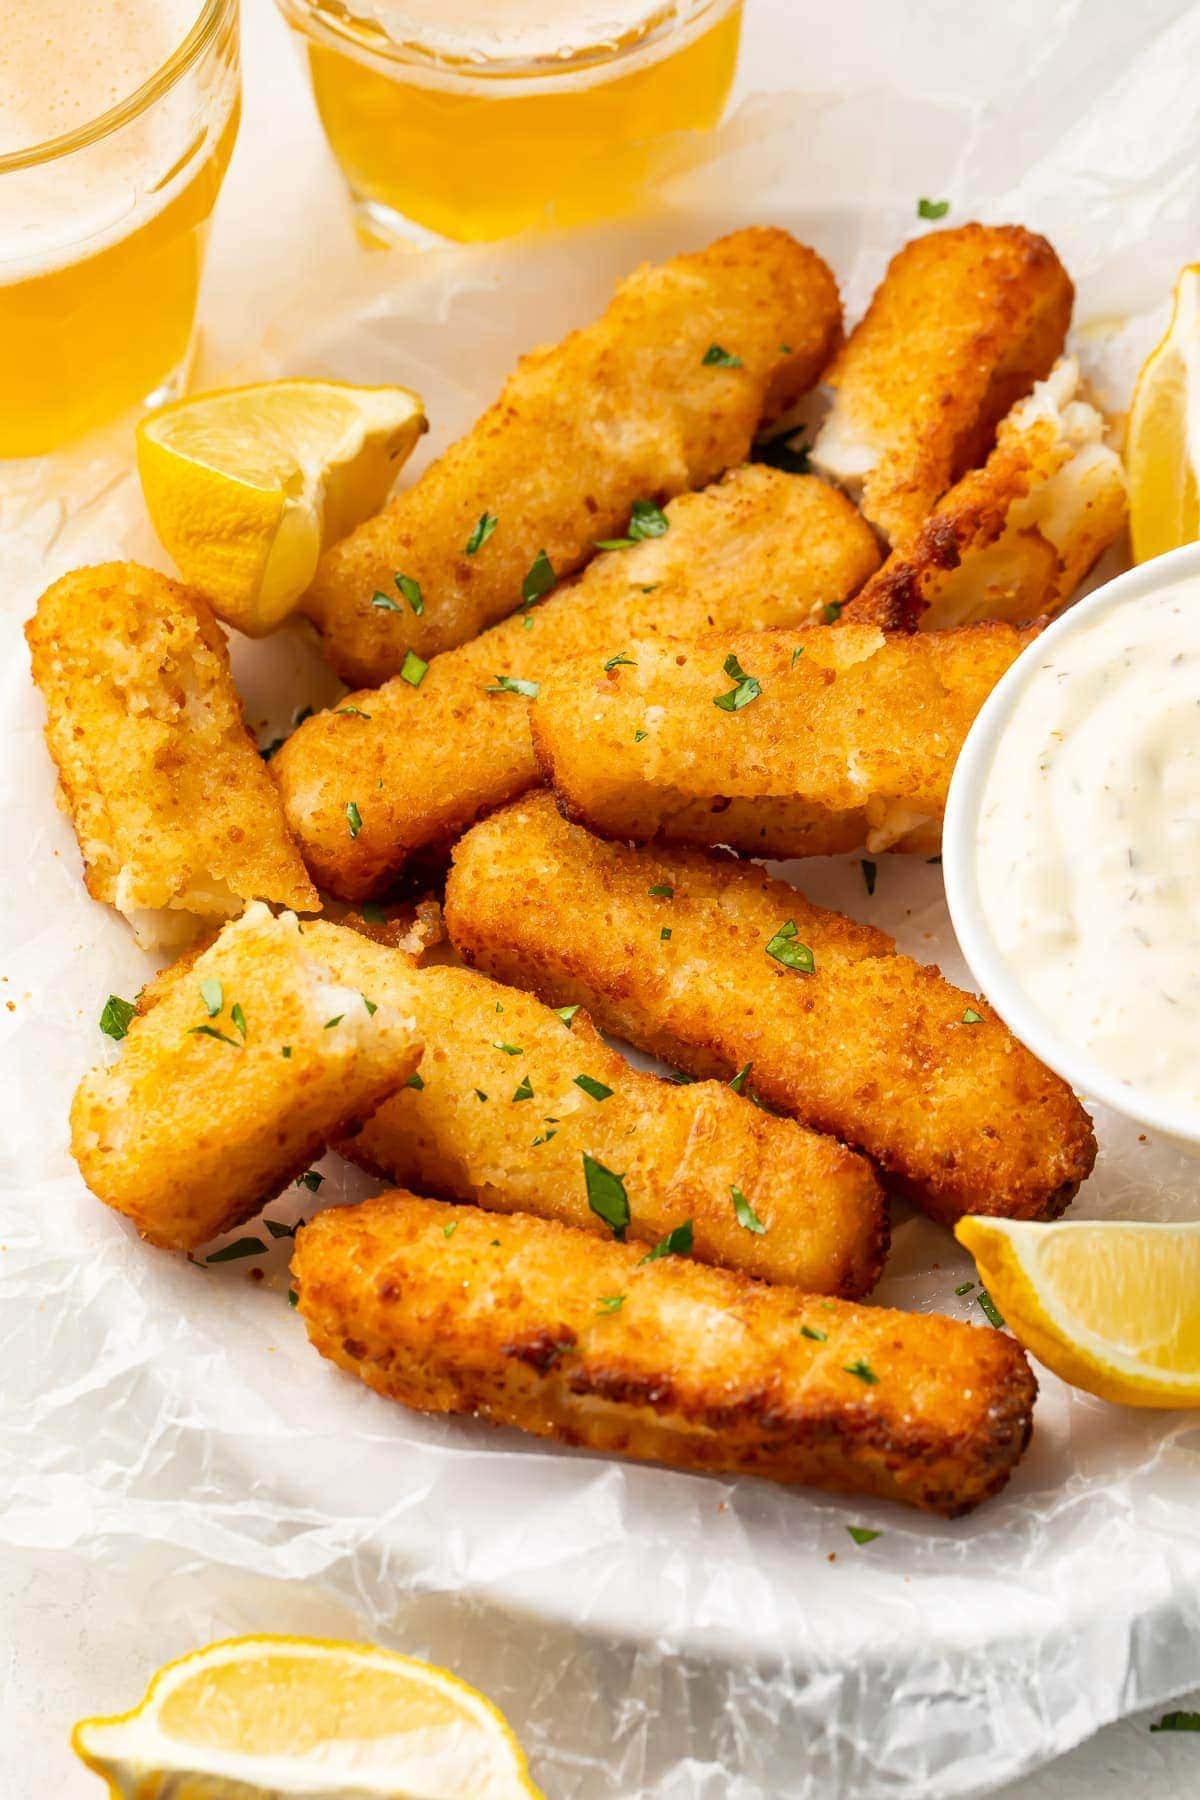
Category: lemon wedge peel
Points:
column 420, row 1731
column 1113, row 1307
column 246, row 487
column 1162, row 446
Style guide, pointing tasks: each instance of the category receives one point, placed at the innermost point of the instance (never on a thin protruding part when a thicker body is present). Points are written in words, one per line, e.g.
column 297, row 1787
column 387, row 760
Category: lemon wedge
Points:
column 1112, row 1307
column 246, row 486
column 1162, row 448
column 304, row 1716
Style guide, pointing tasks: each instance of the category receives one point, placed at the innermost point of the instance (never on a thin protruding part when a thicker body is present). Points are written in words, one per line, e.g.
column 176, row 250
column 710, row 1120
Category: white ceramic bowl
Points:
column 996, row 976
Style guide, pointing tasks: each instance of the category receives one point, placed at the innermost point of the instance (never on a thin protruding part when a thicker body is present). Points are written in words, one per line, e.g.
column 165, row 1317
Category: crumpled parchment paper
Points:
column 648, row 1633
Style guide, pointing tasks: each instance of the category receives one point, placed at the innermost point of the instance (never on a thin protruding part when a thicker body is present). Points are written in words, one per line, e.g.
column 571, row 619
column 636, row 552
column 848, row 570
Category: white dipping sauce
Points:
column 1088, row 844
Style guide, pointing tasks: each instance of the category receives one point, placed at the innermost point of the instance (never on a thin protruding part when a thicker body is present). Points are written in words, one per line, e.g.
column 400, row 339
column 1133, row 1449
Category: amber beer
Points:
column 117, row 120
column 477, row 118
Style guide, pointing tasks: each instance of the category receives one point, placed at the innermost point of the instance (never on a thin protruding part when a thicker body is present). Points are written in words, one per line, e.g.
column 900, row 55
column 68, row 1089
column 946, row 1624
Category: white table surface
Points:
column 78, row 1639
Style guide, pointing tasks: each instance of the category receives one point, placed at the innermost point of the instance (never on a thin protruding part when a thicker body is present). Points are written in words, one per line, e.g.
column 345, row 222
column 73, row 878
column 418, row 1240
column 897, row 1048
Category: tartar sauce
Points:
column 1088, row 845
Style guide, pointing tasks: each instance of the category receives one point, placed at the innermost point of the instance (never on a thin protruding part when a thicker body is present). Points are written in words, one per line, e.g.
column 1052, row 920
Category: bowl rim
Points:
column 994, row 973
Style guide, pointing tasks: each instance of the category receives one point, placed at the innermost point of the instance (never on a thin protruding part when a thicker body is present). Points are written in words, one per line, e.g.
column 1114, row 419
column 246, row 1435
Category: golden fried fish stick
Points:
column 1014, row 539
column 776, row 743
column 962, row 325
column 250, row 1060
column 177, row 817
column 735, row 968
column 520, row 1110
column 662, row 393
column 526, row 1322
column 420, row 764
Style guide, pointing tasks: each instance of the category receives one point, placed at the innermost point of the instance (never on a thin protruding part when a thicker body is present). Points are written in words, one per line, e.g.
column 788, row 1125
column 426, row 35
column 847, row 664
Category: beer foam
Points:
column 516, row 31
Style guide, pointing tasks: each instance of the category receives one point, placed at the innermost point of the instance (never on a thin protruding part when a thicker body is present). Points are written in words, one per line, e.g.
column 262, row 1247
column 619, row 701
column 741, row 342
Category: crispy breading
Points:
column 177, row 817
column 872, row 1047
column 962, row 325
column 850, row 744
column 497, row 1116
column 526, row 1322
column 252, row 1057
column 1014, row 539
column 625, row 409
column 422, row 763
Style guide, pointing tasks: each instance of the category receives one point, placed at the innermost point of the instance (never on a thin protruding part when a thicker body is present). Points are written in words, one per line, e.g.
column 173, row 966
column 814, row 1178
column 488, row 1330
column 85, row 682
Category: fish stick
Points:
column 521, row 1110
column 420, row 764
column 252, row 1058
column 962, row 325
column 780, row 743
column 526, row 1322
column 735, row 967
column 1014, row 539
column 662, row 393
column 177, row 817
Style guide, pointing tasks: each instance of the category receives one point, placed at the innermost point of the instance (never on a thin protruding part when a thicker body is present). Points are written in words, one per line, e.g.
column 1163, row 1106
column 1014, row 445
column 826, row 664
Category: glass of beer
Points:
column 117, row 121
column 477, row 118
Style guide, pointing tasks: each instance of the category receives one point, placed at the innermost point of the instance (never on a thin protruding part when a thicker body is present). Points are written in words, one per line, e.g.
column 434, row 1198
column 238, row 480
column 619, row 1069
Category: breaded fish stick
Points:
column 521, row 1111
column 177, row 817
column 250, row 1060
column 524, row 1322
column 962, row 325
column 420, row 764
column 1014, row 539
column 777, row 743
column 735, row 967
column 664, row 392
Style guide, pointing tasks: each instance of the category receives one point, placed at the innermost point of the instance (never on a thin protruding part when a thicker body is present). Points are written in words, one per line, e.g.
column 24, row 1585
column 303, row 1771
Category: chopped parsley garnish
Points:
column 645, row 521
column 248, row 1246
column 818, row 1337
column 639, row 737
column 610, row 1303
column 239, row 1019
column 678, row 1242
column 524, row 1090
column 989, row 1309
column 480, row 1095
column 971, row 1017
column 869, row 872
column 746, row 1216
column 513, row 684
column 662, row 890
column 606, row 1195
column 416, row 1080
column 665, row 934
column 278, row 1229
column 595, row 1089
column 831, row 612
column 311, row 1179
column 116, row 1016
column 619, row 661
column 932, row 209
column 797, row 653
column 207, row 1031
column 413, row 669
column 566, row 1014
column 786, row 949
column 783, row 453
column 545, row 1137
column 651, row 587
column 482, row 532
column 450, row 1229
column 373, row 913
column 935, row 862
column 293, row 1297
column 1178, row 1721
column 385, row 603
column 738, row 1081
column 353, row 818
column 508, row 1049
column 861, row 1534
column 352, row 712
column 747, row 689
column 213, row 996
column 370, row 1005
column 412, row 592
column 964, row 1287
column 286, row 1053
column 715, row 357
column 862, row 1368
column 336, row 1020
column 540, row 579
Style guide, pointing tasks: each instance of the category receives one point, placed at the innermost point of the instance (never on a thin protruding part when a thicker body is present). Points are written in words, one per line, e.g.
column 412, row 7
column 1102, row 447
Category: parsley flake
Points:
column 480, row 1095
column 247, row 1246
column 207, row 1031
column 610, row 1303
column 524, row 1090
column 412, row 592
column 606, row 1195
column 286, row 1053
column 1178, row 1721
column 450, row 1229
column 352, row 712
column 964, row 1287
column 482, row 532
column 783, row 453
column 513, row 684
column 971, row 1017
column 293, row 1297
column 645, row 521
column 831, row 612
column 566, row 1014
column 508, row 1049
column 370, row 1005
column 869, row 872
column 665, row 934
column 678, row 1242
column 353, row 818
column 989, row 1309
column 416, row 1080
column 413, row 669
column 862, row 1368
column 715, row 357
column 662, row 890
column 213, row 996
column 639, row 737
column 336, row 1020
column 311, row 1179
column 746, row 1216
column 738, row 1081
column 540, row 579
column 619, row 661
column 239, row 1019
column 818, row 1337
column 862, row 1535
column 785, row 948
column 116, row 1017
column 747, row 689
column 385, row 603
column 596, row 1090
column 932, row 209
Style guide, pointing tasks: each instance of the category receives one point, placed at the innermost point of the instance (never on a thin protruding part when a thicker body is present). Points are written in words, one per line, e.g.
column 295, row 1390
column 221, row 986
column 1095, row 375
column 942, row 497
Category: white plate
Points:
column 146, row 1400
